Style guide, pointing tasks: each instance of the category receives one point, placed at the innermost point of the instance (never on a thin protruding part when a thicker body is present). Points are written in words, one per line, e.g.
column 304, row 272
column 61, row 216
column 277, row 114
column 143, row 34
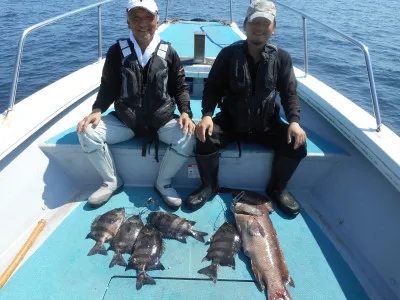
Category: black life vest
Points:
column 144, row 104
column 248, row 112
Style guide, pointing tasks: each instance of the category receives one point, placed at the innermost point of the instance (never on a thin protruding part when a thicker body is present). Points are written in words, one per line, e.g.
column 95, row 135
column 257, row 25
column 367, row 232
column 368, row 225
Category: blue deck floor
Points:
column 181, row 37
column 61, row 269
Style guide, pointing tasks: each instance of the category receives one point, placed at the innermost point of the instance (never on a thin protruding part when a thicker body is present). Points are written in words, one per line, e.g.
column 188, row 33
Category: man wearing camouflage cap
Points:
column 245, row 80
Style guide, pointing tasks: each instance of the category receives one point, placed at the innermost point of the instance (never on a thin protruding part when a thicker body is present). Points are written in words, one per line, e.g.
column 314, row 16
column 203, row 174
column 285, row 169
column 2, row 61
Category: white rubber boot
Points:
column 103, row 162
column 170, row 165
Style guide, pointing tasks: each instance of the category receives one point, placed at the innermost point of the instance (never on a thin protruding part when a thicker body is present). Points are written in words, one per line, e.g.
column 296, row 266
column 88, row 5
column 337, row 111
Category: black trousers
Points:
column 275, row 137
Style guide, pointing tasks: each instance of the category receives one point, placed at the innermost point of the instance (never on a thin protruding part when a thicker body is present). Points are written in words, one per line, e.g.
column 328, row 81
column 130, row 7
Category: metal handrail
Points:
column 167, row 5
column 363, row 48
column 42, row 24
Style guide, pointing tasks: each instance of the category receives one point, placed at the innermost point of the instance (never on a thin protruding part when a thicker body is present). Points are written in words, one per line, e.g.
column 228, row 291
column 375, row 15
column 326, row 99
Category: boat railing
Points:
column 360, row 45
column 43, row 24
column 167, row 5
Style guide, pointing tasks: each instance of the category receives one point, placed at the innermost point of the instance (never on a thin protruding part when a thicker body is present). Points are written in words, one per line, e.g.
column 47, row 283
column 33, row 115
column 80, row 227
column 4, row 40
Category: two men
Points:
column 244, row 80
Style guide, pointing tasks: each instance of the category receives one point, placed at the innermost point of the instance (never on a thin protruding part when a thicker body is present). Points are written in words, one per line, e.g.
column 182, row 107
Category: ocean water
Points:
column 61, row 48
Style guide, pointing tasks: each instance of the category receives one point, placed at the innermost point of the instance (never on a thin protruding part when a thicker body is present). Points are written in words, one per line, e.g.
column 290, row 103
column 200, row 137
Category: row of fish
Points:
column 143, row 242
column 254, row 233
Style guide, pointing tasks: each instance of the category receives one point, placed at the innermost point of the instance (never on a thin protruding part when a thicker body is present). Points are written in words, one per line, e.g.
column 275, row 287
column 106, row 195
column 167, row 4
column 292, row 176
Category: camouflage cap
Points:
column 261, row 9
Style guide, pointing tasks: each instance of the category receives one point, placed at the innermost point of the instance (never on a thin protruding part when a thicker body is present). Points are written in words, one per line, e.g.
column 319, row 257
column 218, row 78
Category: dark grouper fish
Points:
column 225, row 243
column 125, row 239
column 146, row 255
column 172, row 226
column 104, row 228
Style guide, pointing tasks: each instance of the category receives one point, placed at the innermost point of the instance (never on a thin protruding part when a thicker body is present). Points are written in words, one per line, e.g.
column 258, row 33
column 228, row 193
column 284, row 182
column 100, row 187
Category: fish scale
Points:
column 146, row 255
column 225, row 243
column 172, row 226
column 104, row 228
column 261, row 245
column 125, row 239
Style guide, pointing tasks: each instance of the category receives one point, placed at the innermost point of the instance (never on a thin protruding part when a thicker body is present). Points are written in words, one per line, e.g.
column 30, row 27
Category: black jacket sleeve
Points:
column 111, row 80
column 286, row 85
column 177, row 87
column 217, row 83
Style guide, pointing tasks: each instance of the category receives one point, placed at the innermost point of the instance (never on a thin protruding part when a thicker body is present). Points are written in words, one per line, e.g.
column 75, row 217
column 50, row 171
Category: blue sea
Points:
column 59, row 49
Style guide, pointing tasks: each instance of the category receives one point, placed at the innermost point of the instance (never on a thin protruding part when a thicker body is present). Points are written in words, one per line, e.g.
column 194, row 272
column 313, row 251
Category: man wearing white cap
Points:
column 245, row 80
column 144, row 78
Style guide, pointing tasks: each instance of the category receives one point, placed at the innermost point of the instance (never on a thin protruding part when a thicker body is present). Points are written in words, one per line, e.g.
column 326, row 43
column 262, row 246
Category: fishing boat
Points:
column 343, row 245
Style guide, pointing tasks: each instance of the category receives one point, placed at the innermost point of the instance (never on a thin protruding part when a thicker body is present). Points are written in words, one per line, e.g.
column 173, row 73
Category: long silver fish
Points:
column 104, row 228
column 260, row 243
column 146, row 255
column 225, row 243
column 172, row 226
column 125, row 239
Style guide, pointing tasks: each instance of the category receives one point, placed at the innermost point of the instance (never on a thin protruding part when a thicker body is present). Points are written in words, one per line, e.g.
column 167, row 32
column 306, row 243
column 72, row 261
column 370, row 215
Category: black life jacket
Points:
column 248, row 112
column 144, row 104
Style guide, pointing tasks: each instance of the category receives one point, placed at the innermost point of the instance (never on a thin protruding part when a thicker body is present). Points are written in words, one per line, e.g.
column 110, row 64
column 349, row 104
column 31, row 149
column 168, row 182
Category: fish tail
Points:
column 98, row 249
column 117, row 260
column 143, row 279
column 279, row 294
column 198, row 235
column 210, row 271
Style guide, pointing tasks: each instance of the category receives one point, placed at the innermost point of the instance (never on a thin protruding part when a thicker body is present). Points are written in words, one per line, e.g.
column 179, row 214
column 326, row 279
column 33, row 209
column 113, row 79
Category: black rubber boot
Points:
column 282, row 170
column 208, row 168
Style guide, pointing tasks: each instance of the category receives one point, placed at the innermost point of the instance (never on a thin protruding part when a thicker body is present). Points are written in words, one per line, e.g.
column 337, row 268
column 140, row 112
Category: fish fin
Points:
column 255, row 229
column 198, row 235
column 205, row 258
column 192, row 222
column 90, row 235
column 269, row 206
column 160, row 266
column 143, row 279
column 287, row 279
column 94, row 223
column 181, row 238
column 210, row 271
column 130, row 266
column 258, row 276
column 290, row 281
column 279, row 294
column 98, row 249
column 117, row 260
column 229, row 262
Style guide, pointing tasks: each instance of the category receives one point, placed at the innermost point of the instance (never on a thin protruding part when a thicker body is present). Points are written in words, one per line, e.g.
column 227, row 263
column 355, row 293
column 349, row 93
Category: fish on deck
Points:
column 260, row 243
column 146, row 255
column 104, row 228
column 125, row 239
column 225, row 243
column 172, row 226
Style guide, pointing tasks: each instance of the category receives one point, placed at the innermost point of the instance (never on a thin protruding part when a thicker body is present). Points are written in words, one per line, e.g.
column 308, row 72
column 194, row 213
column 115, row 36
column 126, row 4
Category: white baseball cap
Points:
column 149, row 5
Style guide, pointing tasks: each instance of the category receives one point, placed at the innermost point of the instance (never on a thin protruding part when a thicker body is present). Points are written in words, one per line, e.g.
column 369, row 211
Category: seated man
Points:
column 144, row 78
column 244, row 80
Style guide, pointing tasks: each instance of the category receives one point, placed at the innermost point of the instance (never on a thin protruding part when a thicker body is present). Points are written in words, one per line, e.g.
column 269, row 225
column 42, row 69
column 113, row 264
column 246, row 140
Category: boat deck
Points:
column 61, row 269
column 181, row 37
